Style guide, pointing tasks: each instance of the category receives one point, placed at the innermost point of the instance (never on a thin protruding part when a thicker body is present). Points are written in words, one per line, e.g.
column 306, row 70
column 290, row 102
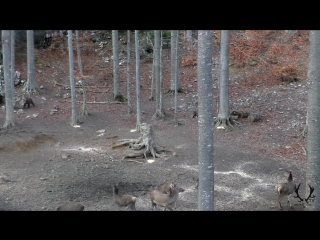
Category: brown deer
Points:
column 128, row 201
column 286, row 189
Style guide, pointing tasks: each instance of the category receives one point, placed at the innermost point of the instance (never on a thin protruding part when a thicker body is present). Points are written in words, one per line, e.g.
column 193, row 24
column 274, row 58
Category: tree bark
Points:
column 74, row 119
column 205, row 121
column 313, row 119
column 138, row 80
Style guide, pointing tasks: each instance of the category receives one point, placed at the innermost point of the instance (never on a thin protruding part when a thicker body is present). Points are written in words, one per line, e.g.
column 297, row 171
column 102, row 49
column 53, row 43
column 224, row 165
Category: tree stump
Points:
column 143, row 146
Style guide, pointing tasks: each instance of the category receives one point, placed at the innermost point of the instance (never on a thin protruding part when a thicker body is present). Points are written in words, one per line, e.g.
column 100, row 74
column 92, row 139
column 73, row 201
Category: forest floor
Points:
column 45, row 162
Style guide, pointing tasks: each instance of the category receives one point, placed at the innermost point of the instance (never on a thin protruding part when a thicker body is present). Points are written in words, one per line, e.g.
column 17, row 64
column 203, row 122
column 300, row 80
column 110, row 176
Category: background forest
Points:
column 267, row 76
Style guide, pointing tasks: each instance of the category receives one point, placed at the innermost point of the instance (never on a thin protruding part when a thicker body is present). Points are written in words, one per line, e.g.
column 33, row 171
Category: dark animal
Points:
column 240, row 114
column 2, row 99
column 28, row 101
column 194, row 114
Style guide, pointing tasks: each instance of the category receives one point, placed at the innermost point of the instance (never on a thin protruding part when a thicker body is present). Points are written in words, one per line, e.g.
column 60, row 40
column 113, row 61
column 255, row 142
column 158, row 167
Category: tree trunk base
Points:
column 223, row 123
column 144, row 146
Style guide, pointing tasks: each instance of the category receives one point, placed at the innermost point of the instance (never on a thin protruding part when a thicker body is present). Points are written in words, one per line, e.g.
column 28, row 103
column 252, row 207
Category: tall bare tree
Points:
column 152, row 92
column 74, row 117
column 313, row 119
column 31, row 81
column 174, row 61
column 8, row 84
column 137, row 48
column 223, row 120
column 116, row 72
column 130, row 108
column 175, row 76
column 205, row 121
column 159, row 114
column 79, row 54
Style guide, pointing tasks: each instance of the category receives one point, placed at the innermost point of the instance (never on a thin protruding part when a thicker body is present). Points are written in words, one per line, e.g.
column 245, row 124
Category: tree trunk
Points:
column 144, row 146
column 313, row 119
column 130, row 108
column 159, row 111
column 7, row 79
column 152, row 92
column 116, row 74
column 31, row 82
column 79, row 54
column 175, row 76
column 138, row 80
column 205, row 121
column 174, row 61
column 223, row 120
column 84, row 95
column 74, row 119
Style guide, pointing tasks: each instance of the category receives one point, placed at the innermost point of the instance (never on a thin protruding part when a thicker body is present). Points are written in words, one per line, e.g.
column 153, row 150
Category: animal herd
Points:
column 165, row 196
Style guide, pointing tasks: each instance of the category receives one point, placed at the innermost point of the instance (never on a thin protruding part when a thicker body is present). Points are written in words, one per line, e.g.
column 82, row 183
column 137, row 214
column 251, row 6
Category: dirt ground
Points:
column 45, row 162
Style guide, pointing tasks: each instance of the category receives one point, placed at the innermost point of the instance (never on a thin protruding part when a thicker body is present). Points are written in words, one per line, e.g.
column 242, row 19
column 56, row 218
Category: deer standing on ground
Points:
column 286, row 189
column 165, row 200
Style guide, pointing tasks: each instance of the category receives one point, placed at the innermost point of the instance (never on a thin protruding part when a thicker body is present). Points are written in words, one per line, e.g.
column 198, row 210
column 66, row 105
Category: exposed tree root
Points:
column 302, row 134
column 223, row 123
column 159, row 114
column 143, row 146
column 8, row 125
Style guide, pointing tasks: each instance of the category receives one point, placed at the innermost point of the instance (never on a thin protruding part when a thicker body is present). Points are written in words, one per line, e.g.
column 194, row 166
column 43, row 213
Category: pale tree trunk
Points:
column 12, row 67
column 138, row 80
column 189, row 36
column 8, row 84
column 175, row 77
column 84, row 95
column 152, row 92
column 205, row 121
column 313, row 119
column 79, row 54
column 174, row 61
column 161, row 44
column 130, row 108
column 223, row 120
column 116, row 73
column 31, row 82
column 159, row 113
column 74, row 119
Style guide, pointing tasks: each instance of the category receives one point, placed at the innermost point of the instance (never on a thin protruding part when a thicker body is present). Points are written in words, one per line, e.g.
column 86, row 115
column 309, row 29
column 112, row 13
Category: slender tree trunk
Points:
column 7, row 79
column 12, row 67
column 205, row 121
column 174, row 61
column 84, row 95
column 138, row 80
column 74, row 119
column 159, row 113
column 116, row 73
column 161, row 45
column 31, row 82
column 79, row 54
column 175, row 77
column 130, row 108
column 313, row 119
column 189, row 36
column 223, row 119
column 152, row 92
